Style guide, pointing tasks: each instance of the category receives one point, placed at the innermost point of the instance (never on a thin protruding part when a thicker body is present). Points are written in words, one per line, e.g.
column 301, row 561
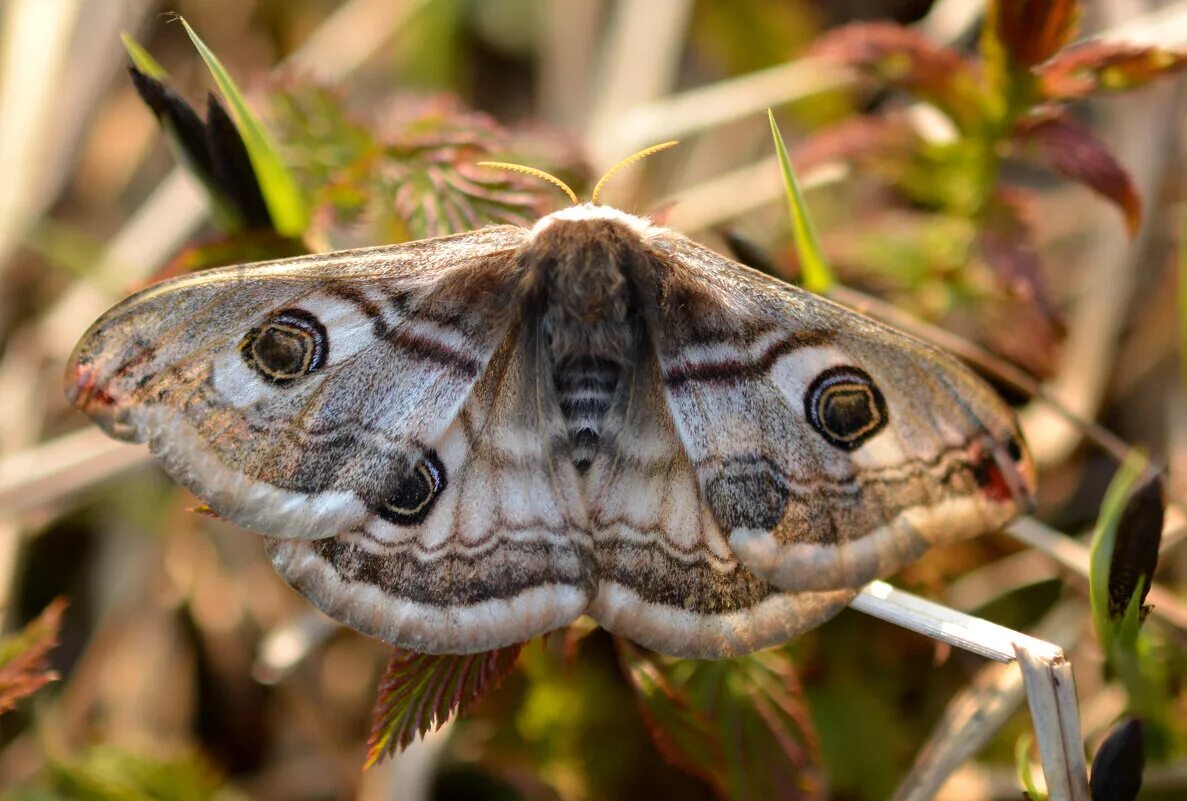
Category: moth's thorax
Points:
column 584, row 263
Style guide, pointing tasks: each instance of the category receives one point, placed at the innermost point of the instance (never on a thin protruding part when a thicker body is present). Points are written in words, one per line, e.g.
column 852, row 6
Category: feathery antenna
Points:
column 552, row 179
column 629, row 160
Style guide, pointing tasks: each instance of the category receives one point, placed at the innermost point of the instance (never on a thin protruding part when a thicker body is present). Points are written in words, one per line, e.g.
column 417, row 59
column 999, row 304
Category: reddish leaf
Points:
column 901, row 57
column 1021, row 321
column 1103, row 67
column 740, row 723
column 685, row 736
column 1006, row 242
column 1070, row 149
column 23, row 668
column 422, row 691
column 1034, row 30
column 859, row 139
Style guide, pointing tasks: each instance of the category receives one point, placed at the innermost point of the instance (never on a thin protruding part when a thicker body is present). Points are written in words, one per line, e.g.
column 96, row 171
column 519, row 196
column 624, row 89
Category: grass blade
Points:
column 285, row 203
column 818, row 276
column 143, row 59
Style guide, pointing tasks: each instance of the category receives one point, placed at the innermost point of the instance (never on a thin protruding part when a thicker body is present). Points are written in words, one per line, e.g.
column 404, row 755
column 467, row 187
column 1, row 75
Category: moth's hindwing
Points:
column 830, row 449
column 667, row 577
column 505, row 553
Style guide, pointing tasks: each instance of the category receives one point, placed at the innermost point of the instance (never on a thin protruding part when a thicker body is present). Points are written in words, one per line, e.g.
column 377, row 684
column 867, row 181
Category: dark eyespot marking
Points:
column 414, row 497
column 748, row 493
column 845, row 406
column 292, row 343
column 1014, row 449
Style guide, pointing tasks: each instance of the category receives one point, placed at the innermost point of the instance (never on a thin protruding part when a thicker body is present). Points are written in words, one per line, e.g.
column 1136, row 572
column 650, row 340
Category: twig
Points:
column 1051, row 693
column 1046, row 674
column 941, row 623
column 43, row 474
column 638, row 63
column 980, row 710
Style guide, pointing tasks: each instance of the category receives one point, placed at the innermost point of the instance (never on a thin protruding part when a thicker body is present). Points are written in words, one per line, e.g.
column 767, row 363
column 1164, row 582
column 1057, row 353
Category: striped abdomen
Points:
column 585, row 386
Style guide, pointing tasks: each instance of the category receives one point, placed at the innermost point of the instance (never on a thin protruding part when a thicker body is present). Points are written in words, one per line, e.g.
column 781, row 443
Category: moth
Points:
column 463, row 442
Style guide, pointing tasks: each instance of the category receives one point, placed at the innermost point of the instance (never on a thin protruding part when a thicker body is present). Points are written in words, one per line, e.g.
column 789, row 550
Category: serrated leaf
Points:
column 818, row 275
column 685, row 736
column 422, row 691
column 759, row 722
column 1098, row 67
column 1031, row 31
column 23, row 666
column 1072, row 150
column 143, row 59
column 408, row 172
column 901, row 57
column 281, row 192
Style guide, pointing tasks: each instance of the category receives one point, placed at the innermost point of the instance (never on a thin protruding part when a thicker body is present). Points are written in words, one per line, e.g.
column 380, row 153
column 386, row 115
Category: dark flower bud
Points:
column 1117, row 767
column 1135, row 550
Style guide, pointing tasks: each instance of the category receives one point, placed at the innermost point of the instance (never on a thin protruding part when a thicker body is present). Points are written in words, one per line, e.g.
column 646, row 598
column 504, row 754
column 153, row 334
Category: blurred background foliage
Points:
column 961, row 164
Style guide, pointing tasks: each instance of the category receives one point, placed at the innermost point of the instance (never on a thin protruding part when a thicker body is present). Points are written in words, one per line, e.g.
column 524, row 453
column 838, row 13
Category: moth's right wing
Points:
column 668, row 579
column 832, row 450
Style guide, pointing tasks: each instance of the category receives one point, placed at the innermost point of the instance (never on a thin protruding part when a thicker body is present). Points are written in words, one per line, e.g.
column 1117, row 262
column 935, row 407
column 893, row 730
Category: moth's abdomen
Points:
column 585, row 387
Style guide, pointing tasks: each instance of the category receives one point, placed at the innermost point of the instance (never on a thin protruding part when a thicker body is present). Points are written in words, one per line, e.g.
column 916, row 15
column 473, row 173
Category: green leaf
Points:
column 408, row 171
column 1103, row 542
column 818, row 275
column 1022, row 764
column 143, row 59
column 285, row 202
column 107, row 773
column 422, row 691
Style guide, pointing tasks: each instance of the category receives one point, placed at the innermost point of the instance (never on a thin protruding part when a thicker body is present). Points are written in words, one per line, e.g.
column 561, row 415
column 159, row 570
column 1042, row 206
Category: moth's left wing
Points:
column 378, row 413
column 295, row 396
column 667, row 578
column 830, row 449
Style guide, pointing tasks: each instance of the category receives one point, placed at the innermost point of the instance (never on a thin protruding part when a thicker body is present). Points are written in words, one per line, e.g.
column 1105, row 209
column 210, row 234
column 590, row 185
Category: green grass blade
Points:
column 1022, row 765
column 1103, row 542
column 818, row 275
column 281, row 193
column 143, row 59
